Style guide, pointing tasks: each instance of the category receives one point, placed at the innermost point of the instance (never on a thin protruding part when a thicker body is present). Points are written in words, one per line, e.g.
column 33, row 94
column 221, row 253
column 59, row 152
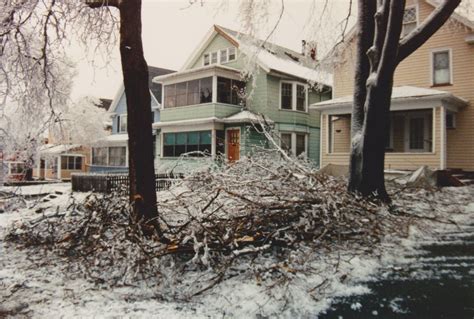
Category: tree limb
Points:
column 432, row 24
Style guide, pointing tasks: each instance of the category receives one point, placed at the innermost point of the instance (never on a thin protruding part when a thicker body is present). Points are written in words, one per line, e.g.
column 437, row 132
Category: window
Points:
column 293, row 96
column 294, row 143
column 223, row 56
column 300, row 144
column 232, row 54
column 177, row 144
column 230, row 91
column 71, row 162
column 122, row 123
column 213, row 57
column 441, row 68
column 17, row 168
column 286, row 96
column 285, row 142
column 300, row 98
column 117, row 156
column 450, row 120
column 409, row 20
column 152, row 116
column 188, row 93
column 99, row 156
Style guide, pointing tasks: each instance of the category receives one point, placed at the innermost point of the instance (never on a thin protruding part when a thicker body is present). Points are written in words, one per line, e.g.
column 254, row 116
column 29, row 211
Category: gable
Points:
column 217, row 43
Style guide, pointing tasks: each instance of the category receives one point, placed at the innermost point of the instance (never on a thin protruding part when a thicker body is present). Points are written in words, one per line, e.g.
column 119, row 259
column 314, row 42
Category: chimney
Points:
column 309, row 49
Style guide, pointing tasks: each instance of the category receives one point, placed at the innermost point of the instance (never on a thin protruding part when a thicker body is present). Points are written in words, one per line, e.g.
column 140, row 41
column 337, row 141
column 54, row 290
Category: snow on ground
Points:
column 34, row 286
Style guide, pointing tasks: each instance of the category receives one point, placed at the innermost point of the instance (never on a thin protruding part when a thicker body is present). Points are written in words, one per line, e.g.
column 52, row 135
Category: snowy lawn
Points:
column 36, row 281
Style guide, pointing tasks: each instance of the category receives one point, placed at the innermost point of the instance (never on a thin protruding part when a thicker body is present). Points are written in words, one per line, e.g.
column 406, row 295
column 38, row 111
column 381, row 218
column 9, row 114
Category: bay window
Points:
column 293, row 96
column 294, row 143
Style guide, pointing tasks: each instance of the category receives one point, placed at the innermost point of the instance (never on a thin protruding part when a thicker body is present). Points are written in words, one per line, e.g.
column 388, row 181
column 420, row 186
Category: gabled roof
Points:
column 155, row 88
column 456, row 16
column 269, row 56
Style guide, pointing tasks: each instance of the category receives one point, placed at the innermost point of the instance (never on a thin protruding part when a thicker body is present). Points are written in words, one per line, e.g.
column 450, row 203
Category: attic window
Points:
column 231, row 54
column 223, row 56
column 292, row 57
column 409, row 20
column 213, row 57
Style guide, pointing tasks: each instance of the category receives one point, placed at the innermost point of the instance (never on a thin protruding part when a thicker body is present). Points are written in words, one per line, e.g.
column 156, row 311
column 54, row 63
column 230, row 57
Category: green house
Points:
column 229, row 88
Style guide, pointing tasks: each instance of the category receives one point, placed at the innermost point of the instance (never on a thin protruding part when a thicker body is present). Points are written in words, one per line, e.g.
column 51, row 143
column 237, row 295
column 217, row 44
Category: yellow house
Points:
column 432, row 109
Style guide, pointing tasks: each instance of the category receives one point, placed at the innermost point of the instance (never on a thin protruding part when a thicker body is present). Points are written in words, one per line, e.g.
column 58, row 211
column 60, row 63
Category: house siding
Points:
column 416, row 71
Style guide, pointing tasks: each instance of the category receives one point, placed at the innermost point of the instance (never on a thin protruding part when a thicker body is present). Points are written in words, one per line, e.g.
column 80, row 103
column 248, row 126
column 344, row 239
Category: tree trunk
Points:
column 140, row 139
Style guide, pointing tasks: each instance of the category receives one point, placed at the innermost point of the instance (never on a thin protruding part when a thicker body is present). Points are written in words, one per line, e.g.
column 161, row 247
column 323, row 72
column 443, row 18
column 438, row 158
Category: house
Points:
column 59, row 161
column 432, row 111
column 59, row 158
column 111, row 153
column 211, row 107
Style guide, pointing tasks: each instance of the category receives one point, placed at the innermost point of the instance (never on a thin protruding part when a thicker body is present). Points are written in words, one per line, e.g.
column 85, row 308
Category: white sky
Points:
column 172, row 29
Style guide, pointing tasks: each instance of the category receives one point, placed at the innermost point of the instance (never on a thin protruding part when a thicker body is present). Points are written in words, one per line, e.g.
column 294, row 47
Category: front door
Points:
column 233, row 144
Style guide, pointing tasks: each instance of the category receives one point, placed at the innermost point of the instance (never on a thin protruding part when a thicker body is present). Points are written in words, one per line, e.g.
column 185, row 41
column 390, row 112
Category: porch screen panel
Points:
column 220, row 142
column 205, row 141
column 177, row 144
column 417, row 128
column 206, row 90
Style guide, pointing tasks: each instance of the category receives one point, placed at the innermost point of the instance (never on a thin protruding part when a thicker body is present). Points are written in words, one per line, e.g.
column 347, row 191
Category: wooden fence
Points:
column 106, row 183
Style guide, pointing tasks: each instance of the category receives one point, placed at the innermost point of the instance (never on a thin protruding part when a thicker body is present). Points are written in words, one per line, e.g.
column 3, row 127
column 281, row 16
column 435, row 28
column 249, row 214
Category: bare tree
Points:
column 33, row 35
column 379, row 51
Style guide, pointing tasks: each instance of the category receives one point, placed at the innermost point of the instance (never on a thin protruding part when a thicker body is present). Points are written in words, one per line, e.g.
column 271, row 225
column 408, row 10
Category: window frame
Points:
column 294, row 91
column 120, row 121
column 432, row 73
column 426, row 132
column 294, row 140
column 110, row 157
column 219, row 56
column 71, row 162
column 167, row 87
column 417, row 19
column 199, row 144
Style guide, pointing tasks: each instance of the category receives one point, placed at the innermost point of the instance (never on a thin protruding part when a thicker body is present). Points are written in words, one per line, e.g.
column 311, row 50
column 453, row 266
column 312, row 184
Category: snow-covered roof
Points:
column 246, row 117
column 52, row 149
column 269, row 56
column 114, row 139
column 399, row 93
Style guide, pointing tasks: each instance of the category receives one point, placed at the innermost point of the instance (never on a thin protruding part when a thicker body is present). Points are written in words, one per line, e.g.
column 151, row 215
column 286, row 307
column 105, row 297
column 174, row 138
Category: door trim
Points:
column 227, row 142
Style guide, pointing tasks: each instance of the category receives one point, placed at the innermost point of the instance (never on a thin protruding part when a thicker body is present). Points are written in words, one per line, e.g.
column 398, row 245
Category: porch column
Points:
column 214, row 89
column 59, row 167
column 213, row 143
column 442, row 136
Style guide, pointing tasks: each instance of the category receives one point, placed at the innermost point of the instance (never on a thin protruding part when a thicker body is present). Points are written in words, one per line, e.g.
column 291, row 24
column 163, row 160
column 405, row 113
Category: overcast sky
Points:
column 172, row 29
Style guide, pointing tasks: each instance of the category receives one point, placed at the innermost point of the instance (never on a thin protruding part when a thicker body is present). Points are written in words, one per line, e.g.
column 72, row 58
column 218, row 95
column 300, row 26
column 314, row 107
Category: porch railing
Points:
column 106, row 183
